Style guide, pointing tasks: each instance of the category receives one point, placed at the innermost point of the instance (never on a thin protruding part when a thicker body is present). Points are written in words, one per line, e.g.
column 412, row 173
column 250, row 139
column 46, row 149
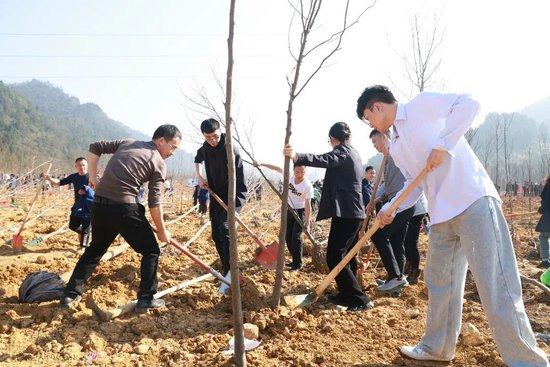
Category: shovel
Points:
column 304, row 300
column 17, row 240
column 267, row 255
column 38, row 240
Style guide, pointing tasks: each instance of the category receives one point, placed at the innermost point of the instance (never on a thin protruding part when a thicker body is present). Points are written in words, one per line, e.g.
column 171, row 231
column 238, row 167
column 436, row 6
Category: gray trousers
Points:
column 479, row 237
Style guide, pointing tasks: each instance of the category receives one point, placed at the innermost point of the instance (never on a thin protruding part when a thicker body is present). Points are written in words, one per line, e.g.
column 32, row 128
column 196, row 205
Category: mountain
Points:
column 539, row 111
column 38, row 119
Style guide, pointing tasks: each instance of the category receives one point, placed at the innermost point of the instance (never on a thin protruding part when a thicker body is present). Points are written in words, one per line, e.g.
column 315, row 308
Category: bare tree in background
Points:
column 507, row 151
column 307, row 13
column 236, row 305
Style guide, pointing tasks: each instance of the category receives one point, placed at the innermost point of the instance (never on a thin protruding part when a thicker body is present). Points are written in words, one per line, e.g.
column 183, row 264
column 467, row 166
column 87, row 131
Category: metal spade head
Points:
column 17, row 243
column 267, row 257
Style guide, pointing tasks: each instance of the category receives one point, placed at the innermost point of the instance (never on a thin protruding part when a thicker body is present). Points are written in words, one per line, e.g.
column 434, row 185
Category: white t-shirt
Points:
column 299, row 193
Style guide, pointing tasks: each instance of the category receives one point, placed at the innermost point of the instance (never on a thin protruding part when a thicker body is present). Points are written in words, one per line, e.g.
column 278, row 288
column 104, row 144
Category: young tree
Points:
column 307, row 13
column 239, row 356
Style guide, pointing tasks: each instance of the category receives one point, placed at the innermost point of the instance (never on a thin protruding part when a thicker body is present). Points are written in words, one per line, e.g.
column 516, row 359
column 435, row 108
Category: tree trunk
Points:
column 239, row 356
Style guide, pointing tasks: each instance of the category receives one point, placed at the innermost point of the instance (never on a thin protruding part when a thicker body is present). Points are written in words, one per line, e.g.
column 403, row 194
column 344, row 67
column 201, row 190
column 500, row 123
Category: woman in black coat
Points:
column 543, row 226
column 342, row 201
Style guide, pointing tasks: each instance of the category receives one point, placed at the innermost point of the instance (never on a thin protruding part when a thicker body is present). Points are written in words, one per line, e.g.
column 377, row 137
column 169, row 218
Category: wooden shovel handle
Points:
column 334, row 272
column 38, row 190
column 374, row 191
column 248, row 230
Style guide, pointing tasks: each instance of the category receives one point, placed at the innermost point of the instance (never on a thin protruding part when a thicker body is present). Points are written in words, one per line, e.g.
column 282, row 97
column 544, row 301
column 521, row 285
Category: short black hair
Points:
column 374, row 132
column 368, row 168
column 80, row 159
column 167, row 131
column 371, row 95
column 296, row 165
column 209, row 126
column 340, row 131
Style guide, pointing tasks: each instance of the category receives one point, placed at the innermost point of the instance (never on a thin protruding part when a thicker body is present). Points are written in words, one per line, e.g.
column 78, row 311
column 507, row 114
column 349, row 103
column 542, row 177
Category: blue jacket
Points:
column 83, row 205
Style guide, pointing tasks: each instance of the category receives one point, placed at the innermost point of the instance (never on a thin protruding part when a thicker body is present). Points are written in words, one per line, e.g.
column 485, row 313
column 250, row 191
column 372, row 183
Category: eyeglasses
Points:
column 174, row 147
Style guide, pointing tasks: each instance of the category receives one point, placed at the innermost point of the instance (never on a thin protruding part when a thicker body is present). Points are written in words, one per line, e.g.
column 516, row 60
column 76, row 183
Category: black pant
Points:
column 80, row 225
column 294, row 236
column 341, row 238
column 389, row 243
column 411, row 241
column 220, row 233
column 108, row 221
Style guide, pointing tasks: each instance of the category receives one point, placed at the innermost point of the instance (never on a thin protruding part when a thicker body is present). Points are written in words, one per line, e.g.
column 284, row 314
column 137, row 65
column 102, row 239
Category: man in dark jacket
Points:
column 366, row 184
column 213, row 155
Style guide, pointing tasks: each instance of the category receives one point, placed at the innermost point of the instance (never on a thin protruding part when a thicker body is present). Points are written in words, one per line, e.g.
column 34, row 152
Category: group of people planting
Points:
column 422, row 139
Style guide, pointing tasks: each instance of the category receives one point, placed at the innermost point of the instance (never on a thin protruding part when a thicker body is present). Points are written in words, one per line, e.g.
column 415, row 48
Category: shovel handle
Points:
column 334, row 272
column 248, row 230
column 374, row 190
column 33, row 201
column 199, row 262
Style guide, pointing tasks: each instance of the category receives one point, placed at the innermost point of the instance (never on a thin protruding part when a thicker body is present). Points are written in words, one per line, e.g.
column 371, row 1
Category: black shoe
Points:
column 544, row 264
column 413, row 276
column 144, row 304
column 295, row 267
column 337, row 300
column 289, row 265
column 361, row 307
column 66, row 301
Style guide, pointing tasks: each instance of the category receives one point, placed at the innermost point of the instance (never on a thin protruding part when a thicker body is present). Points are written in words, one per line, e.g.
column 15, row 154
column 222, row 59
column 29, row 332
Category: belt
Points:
column 102, row 200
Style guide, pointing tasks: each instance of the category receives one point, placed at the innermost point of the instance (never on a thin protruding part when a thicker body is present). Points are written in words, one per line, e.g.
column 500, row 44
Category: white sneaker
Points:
column 420, row 353
column 393, row 285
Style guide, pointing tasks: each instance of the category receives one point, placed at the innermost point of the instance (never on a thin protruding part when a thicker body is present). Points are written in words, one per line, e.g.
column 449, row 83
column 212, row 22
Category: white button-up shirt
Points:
column 434, row 120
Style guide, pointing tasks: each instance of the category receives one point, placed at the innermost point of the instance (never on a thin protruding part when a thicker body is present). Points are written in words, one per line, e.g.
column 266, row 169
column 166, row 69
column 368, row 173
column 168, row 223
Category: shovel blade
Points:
column 17, row 243
column 300, row 300
column 267, row 257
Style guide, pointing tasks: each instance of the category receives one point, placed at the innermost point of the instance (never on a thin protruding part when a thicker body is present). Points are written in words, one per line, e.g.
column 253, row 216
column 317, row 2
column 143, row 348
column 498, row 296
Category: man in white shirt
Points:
column 299, row 198
column 468, row 226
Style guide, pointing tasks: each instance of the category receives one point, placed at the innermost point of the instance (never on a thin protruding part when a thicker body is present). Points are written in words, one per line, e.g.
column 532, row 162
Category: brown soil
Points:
column 196, row 323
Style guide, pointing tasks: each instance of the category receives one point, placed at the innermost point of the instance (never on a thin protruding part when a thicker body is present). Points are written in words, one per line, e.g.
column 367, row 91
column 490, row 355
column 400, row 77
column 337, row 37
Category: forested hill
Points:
column 40, row 120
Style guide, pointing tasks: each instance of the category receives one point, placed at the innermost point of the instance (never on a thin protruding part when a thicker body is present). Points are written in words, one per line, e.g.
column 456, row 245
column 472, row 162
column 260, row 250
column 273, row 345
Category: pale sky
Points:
column 134, row 59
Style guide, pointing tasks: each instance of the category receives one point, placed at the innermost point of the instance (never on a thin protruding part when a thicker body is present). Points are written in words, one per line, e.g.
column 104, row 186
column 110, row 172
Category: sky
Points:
column 139, row 59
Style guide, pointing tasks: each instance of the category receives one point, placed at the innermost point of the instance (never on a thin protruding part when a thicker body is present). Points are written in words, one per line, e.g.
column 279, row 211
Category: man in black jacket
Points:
column 213, row 155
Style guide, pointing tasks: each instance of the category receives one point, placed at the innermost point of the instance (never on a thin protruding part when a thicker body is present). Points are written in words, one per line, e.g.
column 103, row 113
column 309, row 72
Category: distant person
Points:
column 299, row 199
column 116, row 211
column 468, row 226
column 342, row 201
column 78, row 180
column 83, row 210
column 366, row 184
column 543, row 226
column 214, row 157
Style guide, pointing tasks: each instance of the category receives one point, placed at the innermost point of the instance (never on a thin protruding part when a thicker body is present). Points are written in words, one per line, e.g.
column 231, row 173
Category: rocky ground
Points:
column 196, row 323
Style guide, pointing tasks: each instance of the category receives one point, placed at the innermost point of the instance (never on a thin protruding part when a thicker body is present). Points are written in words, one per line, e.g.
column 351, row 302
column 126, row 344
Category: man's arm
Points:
column 202, row 181
column 157, row 215
column 269, row 166
column 53, row 181
column 92, row 169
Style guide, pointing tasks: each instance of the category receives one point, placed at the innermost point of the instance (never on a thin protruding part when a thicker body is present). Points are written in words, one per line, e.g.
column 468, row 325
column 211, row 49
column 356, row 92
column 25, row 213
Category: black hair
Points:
column 371, row 95
column 374, row 132
column 80, row 159
column 296, row 165
column 209, row 126
column 340, row 131
column 368, row 168
column 167, row 131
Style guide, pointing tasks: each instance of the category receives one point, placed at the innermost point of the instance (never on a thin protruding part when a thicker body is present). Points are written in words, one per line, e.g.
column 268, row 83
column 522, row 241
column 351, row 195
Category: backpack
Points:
column 41, row 286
